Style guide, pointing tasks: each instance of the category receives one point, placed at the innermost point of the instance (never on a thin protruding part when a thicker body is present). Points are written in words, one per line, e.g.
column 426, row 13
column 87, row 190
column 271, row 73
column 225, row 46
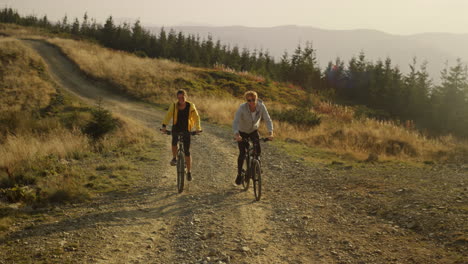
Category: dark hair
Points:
column 181, row 91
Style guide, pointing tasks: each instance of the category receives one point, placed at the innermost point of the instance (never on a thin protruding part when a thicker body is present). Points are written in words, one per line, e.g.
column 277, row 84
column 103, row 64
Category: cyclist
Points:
column 246, row 124
column 184, row 117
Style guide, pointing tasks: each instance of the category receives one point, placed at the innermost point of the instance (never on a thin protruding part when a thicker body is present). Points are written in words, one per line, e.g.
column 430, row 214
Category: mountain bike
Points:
column 181, row 168
column 252, row 169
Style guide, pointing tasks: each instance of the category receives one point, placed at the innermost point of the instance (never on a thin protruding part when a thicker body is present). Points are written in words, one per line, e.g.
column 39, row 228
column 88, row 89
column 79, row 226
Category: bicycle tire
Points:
column 180, row 172
column 257, row 179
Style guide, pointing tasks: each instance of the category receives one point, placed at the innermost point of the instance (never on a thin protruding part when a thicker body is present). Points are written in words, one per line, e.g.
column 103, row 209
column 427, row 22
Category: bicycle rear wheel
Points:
column 257, row 179
column 180, row 171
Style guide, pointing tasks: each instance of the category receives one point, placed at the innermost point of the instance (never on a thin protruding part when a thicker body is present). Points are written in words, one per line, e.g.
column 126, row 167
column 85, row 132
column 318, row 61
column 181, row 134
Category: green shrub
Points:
column 362, row 111
column 18, row 194
column 300, row 117
column 101, row 123
column 140, row 54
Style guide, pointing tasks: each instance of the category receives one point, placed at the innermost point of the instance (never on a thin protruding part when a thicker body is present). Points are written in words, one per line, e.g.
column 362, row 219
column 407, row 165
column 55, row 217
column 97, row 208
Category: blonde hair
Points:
column 250, row 93
column 182, row 91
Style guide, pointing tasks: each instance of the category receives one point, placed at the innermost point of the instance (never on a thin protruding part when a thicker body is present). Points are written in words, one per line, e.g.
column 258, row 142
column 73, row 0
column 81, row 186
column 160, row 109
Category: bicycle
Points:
column 252, row 169
column 181, row 168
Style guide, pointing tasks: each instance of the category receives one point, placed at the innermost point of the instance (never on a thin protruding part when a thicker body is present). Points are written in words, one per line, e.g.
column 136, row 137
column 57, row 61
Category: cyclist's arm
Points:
column 268, row 120
column 168, row 117
column 235, row 123
column 197, row 118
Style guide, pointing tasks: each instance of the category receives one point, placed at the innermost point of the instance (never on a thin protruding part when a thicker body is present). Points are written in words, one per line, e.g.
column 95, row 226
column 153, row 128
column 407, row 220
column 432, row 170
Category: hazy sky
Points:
column 395, row 16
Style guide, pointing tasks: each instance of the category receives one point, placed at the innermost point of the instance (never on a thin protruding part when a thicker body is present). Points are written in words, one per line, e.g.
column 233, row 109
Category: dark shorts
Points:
column 186, row 142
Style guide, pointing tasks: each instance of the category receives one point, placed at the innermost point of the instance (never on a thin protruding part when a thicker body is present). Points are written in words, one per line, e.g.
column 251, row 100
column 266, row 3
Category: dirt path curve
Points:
column 213, row 221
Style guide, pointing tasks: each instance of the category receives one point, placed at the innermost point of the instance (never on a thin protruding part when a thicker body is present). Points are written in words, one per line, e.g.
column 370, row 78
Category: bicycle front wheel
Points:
column 180, row 172
column 257, row 179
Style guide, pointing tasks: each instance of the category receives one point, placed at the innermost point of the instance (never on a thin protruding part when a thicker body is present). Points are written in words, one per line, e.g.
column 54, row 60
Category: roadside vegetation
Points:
column 379, row 86
column 53, row 148
column 155, row 80
column 355, row 131
column 345, row 130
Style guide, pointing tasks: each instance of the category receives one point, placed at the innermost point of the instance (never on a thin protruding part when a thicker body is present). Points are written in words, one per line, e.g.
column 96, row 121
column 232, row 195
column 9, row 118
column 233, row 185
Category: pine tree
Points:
column 181, row 48
column 108, row 33
column 217, row 53
column 138, row 37
column 64, row 27
column 85, row 25
column 285, row 67
column 451, row 102
column 44, row 23
column 75, row 29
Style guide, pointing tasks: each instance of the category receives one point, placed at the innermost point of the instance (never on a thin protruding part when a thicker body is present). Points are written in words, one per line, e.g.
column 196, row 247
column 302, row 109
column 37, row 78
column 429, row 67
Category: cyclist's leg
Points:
column 174, row 148
column 242, row 152
column 188, row 158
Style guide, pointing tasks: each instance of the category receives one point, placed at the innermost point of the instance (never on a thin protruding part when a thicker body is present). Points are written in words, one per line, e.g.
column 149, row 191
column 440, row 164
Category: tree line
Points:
column 380, row 89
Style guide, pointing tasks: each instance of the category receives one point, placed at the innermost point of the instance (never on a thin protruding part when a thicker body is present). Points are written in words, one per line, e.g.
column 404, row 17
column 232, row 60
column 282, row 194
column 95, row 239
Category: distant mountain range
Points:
column 436, row 48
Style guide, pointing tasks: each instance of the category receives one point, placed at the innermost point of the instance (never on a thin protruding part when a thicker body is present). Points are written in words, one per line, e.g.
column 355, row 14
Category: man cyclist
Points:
column 246, row 124
column 184, row 117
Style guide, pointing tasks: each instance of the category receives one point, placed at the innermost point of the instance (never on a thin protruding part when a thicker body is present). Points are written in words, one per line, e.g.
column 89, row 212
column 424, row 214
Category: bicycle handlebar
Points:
column 260, row 139
column 192, row 133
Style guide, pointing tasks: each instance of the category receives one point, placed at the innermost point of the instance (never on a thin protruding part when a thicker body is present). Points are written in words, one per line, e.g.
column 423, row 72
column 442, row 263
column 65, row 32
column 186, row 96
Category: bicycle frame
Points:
column 181, row 166
column 180, row 143
column 251, row 154
column 253, row 167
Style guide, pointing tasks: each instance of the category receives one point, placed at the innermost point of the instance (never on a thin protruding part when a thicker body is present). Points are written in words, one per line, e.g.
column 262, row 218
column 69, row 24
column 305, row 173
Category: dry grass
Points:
column 24, row 85
column 343, row 113
column 156, row 80
column 26, row 88
column 5, row 223
column 131, row 133
column 17, row 31
column 151, row 79
column 37, row 152
column 66, row 186
column 340, row 132
column 217, row 110
column 246, row 74
column 24, row 150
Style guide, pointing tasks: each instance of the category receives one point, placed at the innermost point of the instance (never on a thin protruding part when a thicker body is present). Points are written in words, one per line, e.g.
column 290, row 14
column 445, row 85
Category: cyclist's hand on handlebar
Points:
column 163, row 130
column 198, row 132
column 238, row 138
column 270, row 137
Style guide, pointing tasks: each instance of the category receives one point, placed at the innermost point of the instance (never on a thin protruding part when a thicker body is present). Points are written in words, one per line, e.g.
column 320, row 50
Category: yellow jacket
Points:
column 193, row 119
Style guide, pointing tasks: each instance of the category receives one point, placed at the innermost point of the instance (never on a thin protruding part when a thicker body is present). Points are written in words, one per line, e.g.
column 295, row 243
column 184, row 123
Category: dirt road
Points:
column 298, row 219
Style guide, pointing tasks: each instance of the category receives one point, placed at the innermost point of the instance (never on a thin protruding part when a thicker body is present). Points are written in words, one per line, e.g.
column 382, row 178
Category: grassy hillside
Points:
column 48, row 149
column 155, row 80
column 217, row 94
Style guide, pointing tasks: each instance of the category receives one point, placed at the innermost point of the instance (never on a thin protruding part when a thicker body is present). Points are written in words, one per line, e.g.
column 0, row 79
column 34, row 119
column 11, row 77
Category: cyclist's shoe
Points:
column 239, row 179
column 189, row 176
column 173, row 162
